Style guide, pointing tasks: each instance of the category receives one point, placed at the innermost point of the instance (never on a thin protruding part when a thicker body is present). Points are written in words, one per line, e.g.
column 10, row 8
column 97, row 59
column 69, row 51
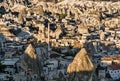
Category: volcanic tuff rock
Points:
column 31, row 62
column 81, row 68
column 29, row 58
column 82, row 29
column 55, row 1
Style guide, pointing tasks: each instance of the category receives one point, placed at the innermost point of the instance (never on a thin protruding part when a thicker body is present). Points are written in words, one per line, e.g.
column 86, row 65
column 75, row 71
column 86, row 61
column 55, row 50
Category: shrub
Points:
column 62, row 16
column 0, row 15
column 2, row 67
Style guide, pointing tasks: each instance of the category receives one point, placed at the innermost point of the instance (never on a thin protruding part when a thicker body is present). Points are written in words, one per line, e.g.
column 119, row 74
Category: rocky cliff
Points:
column 81, row 68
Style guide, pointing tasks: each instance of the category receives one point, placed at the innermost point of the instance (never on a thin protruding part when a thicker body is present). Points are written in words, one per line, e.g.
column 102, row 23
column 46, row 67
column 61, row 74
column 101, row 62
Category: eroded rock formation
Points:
column 31, row 62
column 81, row 68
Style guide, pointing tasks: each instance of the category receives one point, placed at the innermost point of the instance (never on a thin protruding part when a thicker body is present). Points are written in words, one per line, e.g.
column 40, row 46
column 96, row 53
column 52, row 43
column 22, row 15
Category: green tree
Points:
column 2, row 67
column 62, row 16
column 1, row 1
column 118, row 79
column 0, row 15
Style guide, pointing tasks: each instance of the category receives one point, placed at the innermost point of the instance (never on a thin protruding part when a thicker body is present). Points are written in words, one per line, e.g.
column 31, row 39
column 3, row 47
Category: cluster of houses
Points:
column 107, row 67
column 26, row 27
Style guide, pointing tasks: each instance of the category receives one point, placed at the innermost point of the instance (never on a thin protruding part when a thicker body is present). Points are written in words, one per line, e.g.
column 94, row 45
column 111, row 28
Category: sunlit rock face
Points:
column 30, row 52
column 33, row 59
column 55, row 1
column 81, row 68
column 29, row 59
column 82, row 29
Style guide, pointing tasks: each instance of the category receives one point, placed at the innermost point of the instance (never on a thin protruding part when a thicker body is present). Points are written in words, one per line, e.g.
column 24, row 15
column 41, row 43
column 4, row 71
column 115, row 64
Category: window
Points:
column 1, row 79
column 45, row 70
column 49, row 68
column 35, row 77
column 115, row 71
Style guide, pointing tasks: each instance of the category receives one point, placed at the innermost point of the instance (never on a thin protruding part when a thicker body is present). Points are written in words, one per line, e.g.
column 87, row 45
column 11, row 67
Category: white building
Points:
column 10, row 65
column 52, row 64
column 19, row 77
column 101, row 74
column 114, row 71
column 105, row 63
column 64, row 63
column 4, row 77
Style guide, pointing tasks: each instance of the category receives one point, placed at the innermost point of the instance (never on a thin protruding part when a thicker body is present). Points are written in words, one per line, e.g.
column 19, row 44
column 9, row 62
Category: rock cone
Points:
column 81, row 68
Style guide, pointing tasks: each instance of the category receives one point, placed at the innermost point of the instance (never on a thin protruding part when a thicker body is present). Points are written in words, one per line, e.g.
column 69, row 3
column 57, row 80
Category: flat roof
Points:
column 114, row 67
column 110, row 57
column 11, row 61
